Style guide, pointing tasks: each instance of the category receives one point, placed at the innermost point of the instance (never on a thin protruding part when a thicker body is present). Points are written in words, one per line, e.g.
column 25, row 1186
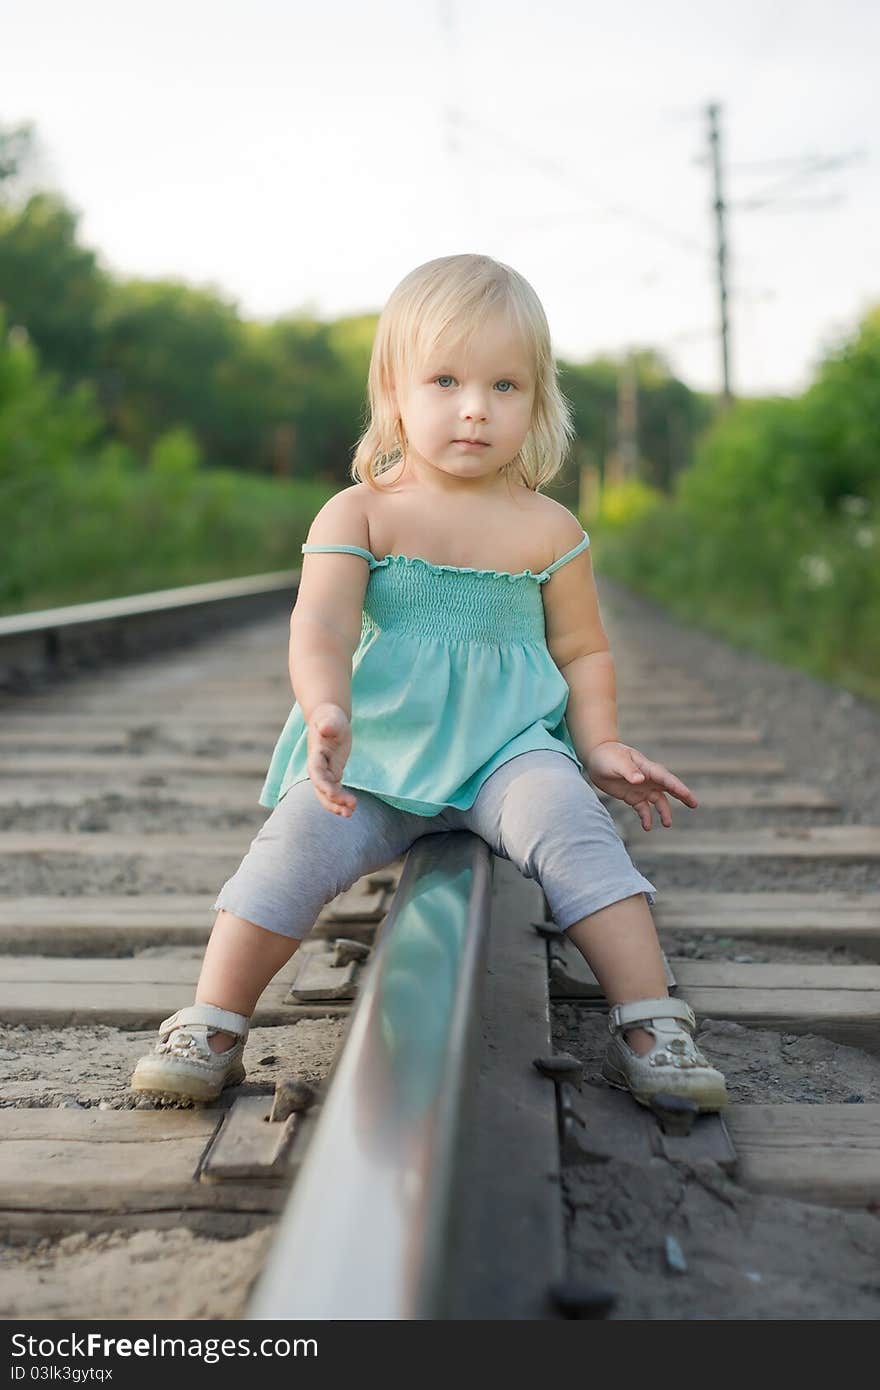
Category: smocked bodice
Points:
column 422, row 600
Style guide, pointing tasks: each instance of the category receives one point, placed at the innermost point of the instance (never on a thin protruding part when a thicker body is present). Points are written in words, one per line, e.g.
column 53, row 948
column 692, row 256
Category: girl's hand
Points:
column 329, row 744
column 626, row 773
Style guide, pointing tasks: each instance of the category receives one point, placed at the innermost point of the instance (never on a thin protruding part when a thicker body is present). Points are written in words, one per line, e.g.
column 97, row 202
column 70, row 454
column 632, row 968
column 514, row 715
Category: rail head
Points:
column 49, row 644
column 135, row 605
column 364, row 1234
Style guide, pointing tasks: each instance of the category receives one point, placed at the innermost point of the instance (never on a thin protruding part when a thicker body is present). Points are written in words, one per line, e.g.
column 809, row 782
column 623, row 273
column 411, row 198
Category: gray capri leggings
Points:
column 537, row 810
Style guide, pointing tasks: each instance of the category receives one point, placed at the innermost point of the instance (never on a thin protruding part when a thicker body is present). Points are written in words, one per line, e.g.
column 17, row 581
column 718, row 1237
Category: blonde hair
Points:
column 454, row 296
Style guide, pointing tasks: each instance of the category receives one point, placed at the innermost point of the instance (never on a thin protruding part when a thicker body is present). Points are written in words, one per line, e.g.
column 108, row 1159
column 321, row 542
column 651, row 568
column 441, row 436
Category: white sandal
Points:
column 181, row 1064
column 674, row 1065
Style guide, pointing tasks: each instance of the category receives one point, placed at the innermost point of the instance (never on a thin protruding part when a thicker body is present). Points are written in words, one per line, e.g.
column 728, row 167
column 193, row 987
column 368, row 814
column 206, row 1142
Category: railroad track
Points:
column 125, row 801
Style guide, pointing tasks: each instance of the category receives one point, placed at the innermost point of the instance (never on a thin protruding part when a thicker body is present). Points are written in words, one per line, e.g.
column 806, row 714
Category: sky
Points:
column 300, row 156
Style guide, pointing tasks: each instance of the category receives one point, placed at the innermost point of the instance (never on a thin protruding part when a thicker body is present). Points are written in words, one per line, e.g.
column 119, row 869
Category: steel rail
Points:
column 43, row 643
column 366, row 1232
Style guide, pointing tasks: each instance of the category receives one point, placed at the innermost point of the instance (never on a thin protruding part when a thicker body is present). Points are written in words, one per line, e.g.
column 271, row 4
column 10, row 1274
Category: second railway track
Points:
column 126, row 799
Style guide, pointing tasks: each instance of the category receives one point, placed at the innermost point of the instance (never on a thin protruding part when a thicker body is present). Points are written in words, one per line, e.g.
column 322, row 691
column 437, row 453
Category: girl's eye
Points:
column 504, row 381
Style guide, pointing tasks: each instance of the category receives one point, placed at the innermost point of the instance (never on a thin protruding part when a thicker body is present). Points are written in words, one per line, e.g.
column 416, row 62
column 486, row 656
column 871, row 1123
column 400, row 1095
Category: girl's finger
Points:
column 643, row 811
column 658, row 773
column 669, row 779
column 672, row 783
column 628, row 773
column 639, row 767
column 336, row 795
column 680, row 790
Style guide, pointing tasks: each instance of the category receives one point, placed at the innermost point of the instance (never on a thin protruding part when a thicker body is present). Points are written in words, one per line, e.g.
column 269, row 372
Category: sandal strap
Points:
column 222, row 1020
column 643, row 1010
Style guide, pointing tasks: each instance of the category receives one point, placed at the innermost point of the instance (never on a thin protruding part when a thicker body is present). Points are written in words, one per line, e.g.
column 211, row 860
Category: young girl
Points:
column 451, row 671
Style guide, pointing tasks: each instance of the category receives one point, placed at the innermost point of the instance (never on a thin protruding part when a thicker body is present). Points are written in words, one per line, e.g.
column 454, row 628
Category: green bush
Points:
column 85, row 520
column 772, row 537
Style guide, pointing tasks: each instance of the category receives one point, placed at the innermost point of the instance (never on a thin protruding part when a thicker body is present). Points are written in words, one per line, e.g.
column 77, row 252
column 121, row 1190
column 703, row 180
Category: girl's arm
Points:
column 591, row 710
column 319, row 660
column 325, row 626
column 325, row 629
column 578, row 643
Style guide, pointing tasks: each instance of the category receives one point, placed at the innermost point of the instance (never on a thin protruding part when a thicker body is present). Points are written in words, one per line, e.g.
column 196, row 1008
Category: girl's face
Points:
column 485, row 393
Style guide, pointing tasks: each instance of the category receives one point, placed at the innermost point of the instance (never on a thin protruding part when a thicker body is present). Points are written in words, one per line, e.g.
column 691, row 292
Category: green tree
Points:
column 51, row 285
column 842, row 417
column 165, row 356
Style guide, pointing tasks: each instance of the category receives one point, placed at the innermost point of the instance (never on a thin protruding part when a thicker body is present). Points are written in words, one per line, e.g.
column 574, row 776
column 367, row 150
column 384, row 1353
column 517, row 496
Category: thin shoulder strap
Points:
column 564, row 559
column 349, row 549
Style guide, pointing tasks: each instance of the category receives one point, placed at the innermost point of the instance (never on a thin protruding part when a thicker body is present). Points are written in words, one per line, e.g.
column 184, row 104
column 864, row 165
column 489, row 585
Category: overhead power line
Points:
column 571, row 182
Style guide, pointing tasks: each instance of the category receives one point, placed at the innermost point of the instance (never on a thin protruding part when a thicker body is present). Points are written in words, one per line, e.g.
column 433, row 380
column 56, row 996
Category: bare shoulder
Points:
column 562, row 528
column 342, row 520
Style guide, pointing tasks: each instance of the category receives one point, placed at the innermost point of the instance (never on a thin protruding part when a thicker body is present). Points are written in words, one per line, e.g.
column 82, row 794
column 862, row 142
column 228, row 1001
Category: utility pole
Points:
column 721, row 252
column 589, row 483
column 622, row 463
column 628, row 419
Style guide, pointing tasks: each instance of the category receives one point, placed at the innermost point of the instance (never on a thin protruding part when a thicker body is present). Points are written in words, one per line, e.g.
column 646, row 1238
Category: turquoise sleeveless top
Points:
column 451, row 678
